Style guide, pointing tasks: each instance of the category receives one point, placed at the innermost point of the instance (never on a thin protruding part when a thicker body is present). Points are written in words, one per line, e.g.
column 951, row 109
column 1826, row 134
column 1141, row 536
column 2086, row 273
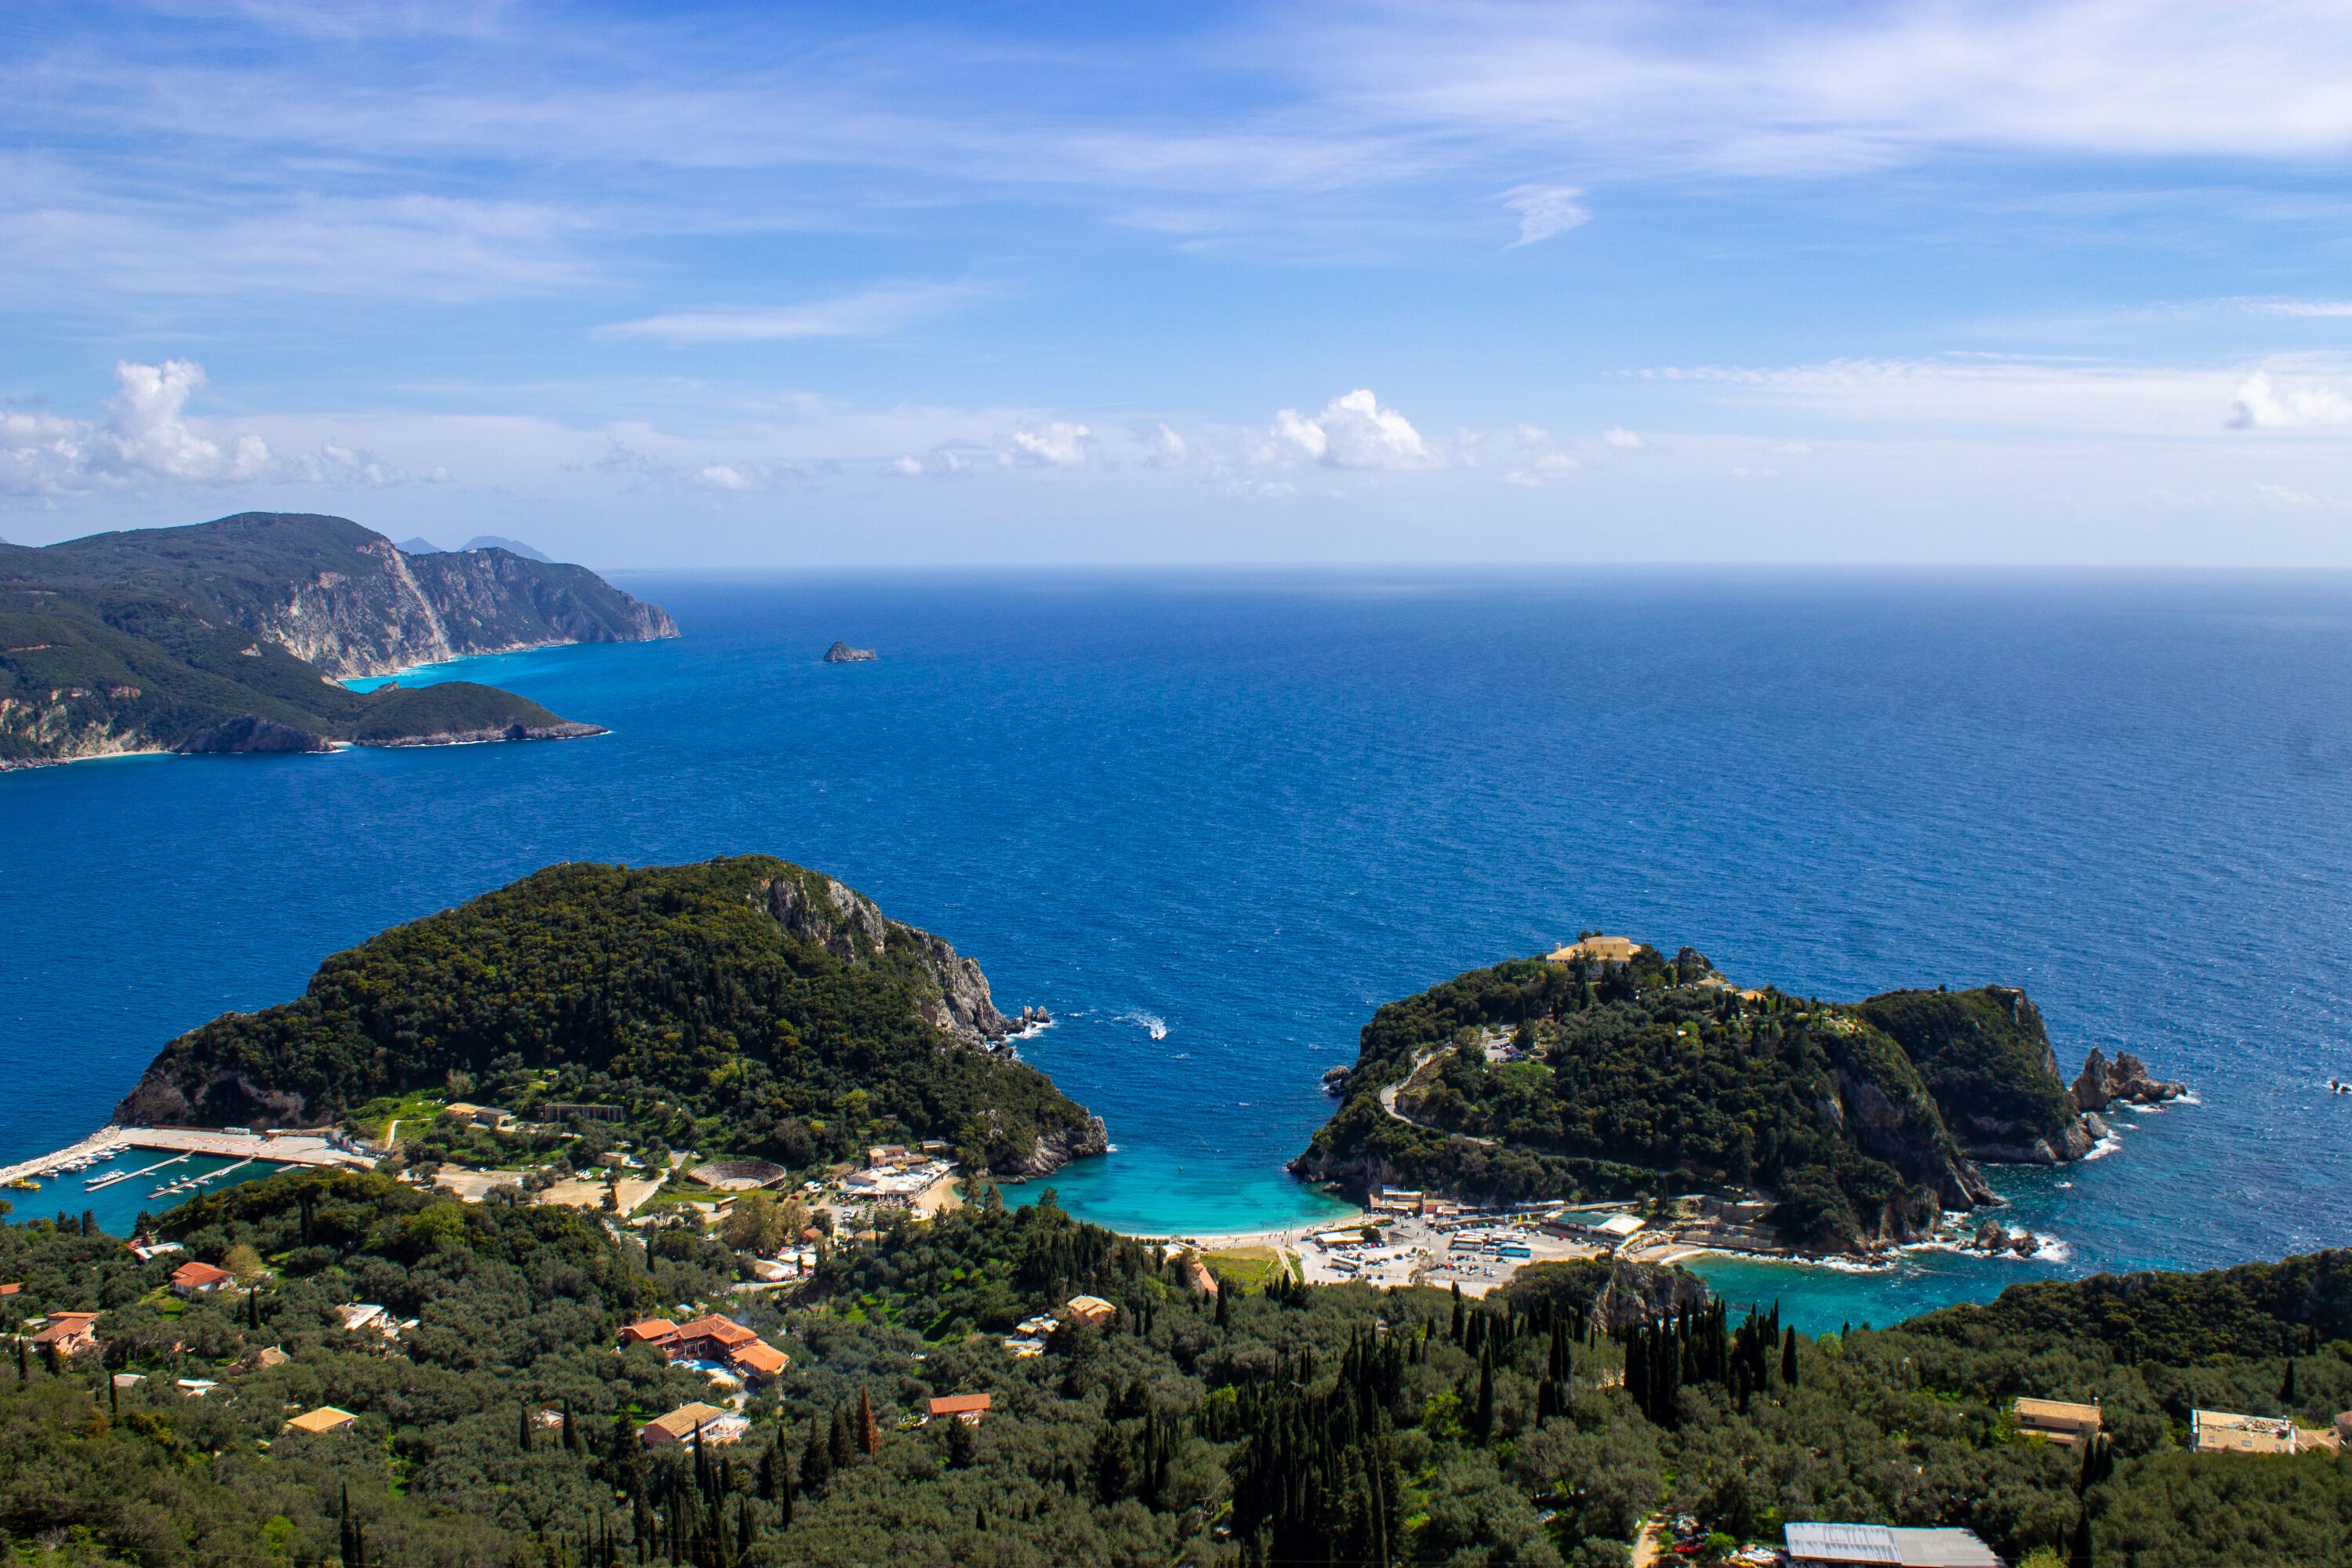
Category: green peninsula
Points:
column 765, row 1009
column 1615, row 1071
column 237, row 636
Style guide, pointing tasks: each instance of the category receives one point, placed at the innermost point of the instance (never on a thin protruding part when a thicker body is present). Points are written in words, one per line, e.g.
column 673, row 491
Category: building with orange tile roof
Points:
column 967, row 1408
column 194, row 1278
column 326, row 1418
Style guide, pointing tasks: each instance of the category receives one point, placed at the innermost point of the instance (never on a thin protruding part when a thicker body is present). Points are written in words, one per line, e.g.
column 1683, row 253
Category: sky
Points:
column 704, row 286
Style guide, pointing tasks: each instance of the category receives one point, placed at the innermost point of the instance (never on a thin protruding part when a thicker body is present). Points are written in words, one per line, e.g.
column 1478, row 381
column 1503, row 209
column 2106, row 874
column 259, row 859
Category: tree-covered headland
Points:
column 1861, row 1122
column 745, row 1005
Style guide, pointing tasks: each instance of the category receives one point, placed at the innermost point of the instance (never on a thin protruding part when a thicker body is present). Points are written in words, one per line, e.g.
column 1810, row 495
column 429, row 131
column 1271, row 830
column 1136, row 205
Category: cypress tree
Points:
column 1455, row 1332
column 2286, row 1389
column 817, row 1464
column 1224, row 1315
column 522, row 1428
column 2078, row 1554
column 1789, row 1357
column 570, row 1434
column 1483, row 1423
column 845, row 1442
column 870, row 1436
column 960, row 1450
column 771, row 1475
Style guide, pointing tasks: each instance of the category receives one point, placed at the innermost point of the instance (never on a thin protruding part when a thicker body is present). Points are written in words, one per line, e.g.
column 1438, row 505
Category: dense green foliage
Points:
column 1626, row 1072
column 1322, row 1425
column 670, row 990
column 1986, row 1058
column 146, row 640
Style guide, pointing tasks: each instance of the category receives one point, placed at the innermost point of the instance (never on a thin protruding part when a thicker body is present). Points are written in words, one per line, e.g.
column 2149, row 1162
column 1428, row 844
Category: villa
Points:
column 2062, row 1422
column 683, row 1424
column 2227, row 1432
column 199, row 1279
column 1604, row 949
column 326, row 1418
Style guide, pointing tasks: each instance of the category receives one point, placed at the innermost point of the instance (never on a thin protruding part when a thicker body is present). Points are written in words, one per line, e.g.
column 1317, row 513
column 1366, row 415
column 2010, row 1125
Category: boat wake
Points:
column 1151, row 1023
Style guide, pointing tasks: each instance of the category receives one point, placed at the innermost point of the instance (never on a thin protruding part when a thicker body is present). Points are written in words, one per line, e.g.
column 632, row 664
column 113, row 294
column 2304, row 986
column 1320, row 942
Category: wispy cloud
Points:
column 1545, row 211
column 874, row 312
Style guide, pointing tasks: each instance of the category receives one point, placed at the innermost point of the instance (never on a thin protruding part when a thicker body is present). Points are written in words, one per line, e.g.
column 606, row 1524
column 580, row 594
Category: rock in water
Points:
column 842, row 653
column 2103, row 1083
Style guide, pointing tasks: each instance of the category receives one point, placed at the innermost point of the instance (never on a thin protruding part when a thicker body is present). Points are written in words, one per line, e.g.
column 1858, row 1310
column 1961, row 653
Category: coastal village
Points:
column 783, row 1227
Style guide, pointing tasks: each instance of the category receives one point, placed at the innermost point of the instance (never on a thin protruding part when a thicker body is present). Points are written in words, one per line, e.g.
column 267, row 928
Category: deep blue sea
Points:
column 1211, row 821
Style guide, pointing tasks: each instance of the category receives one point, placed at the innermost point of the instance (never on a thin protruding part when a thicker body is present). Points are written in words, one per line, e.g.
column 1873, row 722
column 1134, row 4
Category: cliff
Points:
column 1589, row 1077
column 781, row 1011
column 204, row 638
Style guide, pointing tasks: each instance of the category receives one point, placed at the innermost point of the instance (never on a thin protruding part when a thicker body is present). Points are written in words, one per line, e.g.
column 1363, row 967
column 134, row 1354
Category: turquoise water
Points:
column 119, row 1204
column 1211, row 821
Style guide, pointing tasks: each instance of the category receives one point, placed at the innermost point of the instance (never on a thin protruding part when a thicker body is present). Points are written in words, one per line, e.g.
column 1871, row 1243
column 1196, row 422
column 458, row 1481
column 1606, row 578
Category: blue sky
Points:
column 694, row 287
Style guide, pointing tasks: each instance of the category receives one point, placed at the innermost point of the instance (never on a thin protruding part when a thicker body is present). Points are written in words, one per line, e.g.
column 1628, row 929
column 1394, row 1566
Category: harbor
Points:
column 127, row 1171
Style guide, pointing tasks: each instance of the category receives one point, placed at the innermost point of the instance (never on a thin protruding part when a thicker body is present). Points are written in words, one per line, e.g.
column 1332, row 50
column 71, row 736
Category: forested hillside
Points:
column 1324, row 1424
column 778, row 1009
column 1536, row 1079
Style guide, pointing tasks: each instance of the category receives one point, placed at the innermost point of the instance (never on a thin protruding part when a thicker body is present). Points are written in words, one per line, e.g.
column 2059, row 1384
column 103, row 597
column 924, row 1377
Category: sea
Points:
column 1210, row 820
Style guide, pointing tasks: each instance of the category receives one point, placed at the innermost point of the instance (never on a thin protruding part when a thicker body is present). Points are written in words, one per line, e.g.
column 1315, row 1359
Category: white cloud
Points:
column 1545, row 211
column 1624, row 440
column 1060, row 445
column 2260, row 406
column 1355, row 432
column 875, row 312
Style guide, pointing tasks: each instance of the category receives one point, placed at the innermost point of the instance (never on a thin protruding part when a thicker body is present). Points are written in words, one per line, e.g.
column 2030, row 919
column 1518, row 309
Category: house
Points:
column 1397, row 1200
column 707, row 1339
column 193, row 1278
column 363, row 1315
column 68, row 1333
column 882, row 1154
column 1885, row 1546
column 262, row 1360
column 1020, row 1347
column 967, row 1408
column 2062, row 1422
column 715, row 1425
column 196, row 1388
column 759, row 1359
column 652, row 1331
column 12, row 1287
column 1603, row 949
column 1091, row 1310
column 326, row 1418
column 2226, row 1431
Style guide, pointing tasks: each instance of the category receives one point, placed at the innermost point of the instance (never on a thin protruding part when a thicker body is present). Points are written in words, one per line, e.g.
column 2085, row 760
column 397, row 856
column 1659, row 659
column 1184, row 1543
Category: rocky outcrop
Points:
column 2123, row 1080
column 842, row 653
column 1882, row 1107
column 1057, row 1149
column 845, row 923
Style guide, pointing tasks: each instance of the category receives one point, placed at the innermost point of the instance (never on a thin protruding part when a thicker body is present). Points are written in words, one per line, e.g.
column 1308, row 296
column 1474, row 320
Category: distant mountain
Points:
column 512, row 546
column 236, row 635
column 419, row 545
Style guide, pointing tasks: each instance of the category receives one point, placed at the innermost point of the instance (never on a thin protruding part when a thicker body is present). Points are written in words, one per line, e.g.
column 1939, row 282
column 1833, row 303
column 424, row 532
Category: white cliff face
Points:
column 406, row 611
